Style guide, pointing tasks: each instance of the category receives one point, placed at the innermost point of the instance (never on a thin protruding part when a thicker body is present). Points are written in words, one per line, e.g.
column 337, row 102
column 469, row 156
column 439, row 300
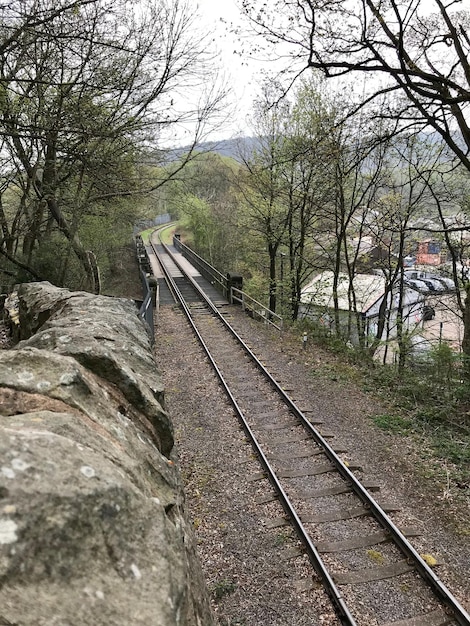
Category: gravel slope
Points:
column 239, row 554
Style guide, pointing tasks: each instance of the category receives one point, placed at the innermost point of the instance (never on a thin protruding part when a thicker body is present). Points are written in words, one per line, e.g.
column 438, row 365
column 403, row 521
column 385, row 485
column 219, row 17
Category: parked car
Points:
column 433, row 284
column 428, row 313
column 434, row 281
column 419, row 285
column 447, row 283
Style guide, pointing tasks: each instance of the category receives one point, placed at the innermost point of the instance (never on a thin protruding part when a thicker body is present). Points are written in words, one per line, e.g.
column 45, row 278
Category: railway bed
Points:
column 340, row 524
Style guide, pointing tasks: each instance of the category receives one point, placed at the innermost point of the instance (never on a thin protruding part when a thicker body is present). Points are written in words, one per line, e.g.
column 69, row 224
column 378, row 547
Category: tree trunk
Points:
column 45, row 189
column 272, row 279
column 86, row 257
column 466, row 330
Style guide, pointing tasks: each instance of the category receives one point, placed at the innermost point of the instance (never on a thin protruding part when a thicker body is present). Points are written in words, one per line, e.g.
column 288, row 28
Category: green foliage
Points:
column 222, row 588
column 392, row 423
column 206, row 202
column 453, row 446
column 84, row 115
column 444, row 362
column 432, row 402
column 334, row 343
column 199, row 220
column 257, row 286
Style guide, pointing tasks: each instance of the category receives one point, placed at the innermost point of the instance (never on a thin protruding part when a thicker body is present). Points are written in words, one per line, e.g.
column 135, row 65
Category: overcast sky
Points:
column 240, row 74
column 243, row 74
column 217, row 15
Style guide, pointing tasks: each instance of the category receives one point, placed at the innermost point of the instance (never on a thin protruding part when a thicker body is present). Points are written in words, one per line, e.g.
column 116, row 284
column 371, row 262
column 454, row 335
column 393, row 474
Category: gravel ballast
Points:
column 248, row 581
column 250, row 577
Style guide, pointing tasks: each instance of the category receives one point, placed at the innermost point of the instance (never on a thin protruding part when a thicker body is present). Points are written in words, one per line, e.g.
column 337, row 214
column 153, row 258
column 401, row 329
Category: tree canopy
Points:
column 415, row 54
column 85, row 88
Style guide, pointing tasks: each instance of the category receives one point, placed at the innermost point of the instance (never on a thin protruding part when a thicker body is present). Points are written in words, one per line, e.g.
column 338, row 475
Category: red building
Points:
column 429, row 253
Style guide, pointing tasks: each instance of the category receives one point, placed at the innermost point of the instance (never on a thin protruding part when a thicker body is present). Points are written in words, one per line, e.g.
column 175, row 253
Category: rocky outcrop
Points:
column 92, row 524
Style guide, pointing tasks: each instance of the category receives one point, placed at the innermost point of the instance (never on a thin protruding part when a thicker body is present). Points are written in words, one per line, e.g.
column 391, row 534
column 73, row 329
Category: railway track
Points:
column 340, row 521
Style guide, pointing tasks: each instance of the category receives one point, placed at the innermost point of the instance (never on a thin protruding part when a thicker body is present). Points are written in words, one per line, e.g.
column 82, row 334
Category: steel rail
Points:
column 441, row 591
column 334, row 593
column 159, row 232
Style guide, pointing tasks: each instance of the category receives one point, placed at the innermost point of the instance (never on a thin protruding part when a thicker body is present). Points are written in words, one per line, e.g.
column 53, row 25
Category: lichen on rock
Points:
column 92, row 521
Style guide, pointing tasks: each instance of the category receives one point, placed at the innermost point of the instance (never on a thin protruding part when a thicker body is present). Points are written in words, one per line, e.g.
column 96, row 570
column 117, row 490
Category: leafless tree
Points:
column 411, row 59
column 84, row 87
column 418, row 52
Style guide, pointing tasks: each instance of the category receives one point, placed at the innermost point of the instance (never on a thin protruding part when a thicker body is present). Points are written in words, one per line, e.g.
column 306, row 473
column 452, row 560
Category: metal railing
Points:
column 255, row 309
column 216, row 278
column 147, row 307
column 150, row 292
column 223, row 284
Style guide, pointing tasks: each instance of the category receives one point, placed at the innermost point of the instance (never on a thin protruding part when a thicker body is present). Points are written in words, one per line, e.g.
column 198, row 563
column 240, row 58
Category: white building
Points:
column 369, row 289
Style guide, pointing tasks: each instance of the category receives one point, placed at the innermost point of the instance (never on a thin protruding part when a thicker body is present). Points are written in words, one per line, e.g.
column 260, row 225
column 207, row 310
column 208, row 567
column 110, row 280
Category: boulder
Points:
column 103, row 334
column 92, row 521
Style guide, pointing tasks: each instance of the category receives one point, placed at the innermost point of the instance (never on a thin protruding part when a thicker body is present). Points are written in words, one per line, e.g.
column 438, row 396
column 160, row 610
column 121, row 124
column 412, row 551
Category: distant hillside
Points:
column 245, row 146
column 241, row 148
column 238, row 149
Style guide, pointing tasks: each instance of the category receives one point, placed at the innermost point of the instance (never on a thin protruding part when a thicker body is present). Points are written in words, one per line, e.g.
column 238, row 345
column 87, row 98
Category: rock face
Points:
column 92, row 524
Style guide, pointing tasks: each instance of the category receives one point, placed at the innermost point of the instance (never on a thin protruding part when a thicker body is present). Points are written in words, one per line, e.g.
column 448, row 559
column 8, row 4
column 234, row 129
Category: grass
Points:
column 166, row 233
column 375, row 556
column 430, row 403
column 145, row 234
column 393, row 423
column 434, row 408
column 222, row 588
column 282, row 538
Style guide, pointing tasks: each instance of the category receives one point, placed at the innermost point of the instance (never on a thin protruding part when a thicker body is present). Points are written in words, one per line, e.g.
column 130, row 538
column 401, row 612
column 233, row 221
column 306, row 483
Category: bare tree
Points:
column 309, row 155
column 85, row 86
column 414, row 58
column 415, row 51
column 263, row 186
